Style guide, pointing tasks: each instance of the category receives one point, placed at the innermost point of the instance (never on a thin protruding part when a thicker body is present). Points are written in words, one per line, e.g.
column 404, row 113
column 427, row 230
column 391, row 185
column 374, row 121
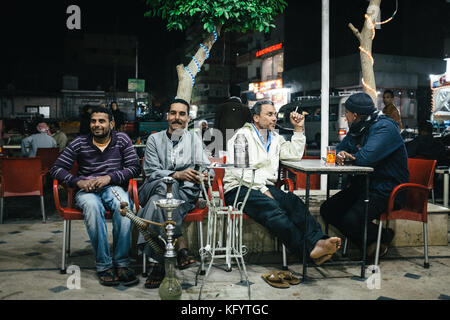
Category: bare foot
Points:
column 324, row 249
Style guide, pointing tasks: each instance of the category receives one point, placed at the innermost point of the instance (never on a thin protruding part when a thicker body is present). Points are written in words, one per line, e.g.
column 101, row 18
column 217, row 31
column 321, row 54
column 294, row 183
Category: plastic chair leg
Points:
column 285, row 266
column 63, row 251
column 200, row 241
column 42, row 209
column 344, row 250
column 377, row 253
column 144, row 265
column 425, row 245
column 2, row 203
column 69, row 233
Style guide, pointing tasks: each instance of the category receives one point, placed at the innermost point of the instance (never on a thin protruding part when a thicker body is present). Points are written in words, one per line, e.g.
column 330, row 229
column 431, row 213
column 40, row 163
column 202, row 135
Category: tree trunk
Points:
column 365, row 38
column 184, row 90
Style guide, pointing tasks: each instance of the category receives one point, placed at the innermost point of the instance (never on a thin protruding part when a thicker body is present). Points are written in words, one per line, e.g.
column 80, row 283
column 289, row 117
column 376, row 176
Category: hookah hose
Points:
column 149, row 235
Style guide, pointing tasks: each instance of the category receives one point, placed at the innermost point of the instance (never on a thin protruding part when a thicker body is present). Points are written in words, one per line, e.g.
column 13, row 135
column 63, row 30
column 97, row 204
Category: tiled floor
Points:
column 30, row 257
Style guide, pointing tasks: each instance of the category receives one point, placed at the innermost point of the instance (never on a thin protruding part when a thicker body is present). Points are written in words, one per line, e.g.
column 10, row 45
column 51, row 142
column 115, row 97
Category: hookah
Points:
column 170, row 288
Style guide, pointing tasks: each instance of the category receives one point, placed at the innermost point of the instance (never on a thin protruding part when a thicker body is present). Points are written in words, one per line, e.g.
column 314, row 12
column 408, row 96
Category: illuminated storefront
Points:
column 269, row 90
column 271, row 86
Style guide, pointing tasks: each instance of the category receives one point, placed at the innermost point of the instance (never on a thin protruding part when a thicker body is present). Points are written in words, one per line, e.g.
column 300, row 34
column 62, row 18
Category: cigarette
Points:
column 296, row 109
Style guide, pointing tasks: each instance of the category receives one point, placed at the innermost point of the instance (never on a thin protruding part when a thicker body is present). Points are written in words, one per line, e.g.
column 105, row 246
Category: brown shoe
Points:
column 384, row 246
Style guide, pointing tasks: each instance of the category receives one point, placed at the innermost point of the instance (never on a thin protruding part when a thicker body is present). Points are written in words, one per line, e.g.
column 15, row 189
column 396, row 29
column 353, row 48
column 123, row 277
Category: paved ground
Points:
column 30, row 255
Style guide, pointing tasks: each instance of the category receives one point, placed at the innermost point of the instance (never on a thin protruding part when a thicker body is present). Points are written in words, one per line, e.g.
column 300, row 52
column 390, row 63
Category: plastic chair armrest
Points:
column 288, row 182
column 402, row 187
column 56, row 197
column 221, row 192
column 134, row 194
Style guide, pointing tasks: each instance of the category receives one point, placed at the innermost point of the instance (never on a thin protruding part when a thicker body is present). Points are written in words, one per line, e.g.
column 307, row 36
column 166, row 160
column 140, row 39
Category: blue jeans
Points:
column 94, row 206
column 283, row 216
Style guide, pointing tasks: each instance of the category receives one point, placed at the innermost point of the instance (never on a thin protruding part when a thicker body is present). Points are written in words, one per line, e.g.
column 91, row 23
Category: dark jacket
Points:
column 85, row 121
column 428, row 147
column 231, row 115
column 119, row 118
column 383, row 149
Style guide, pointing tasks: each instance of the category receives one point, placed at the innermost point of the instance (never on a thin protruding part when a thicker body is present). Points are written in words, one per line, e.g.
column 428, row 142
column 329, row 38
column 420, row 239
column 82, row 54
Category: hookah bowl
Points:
column 170, row 288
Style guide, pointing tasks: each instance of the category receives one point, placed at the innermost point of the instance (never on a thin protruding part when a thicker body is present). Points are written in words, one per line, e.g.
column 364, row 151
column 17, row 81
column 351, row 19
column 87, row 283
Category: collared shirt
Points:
column 269, row 138
column 30, row 144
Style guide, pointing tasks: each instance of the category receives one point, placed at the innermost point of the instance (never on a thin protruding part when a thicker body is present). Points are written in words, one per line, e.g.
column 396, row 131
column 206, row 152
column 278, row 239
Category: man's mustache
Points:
column 177, row 122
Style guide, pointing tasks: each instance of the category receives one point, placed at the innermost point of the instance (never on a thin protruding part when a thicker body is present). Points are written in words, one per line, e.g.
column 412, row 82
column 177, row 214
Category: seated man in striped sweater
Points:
column 106, row 162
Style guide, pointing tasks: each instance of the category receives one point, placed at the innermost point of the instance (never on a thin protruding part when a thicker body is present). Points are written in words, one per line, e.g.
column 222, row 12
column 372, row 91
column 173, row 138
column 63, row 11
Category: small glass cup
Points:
column 331, row 156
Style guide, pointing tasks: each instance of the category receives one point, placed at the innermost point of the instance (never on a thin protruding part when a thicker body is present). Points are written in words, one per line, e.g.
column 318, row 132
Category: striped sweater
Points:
column 119, row 160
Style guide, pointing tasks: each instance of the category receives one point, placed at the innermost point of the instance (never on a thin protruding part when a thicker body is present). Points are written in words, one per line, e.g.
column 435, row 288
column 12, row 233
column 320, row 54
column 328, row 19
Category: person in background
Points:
column 390, row 109
column 232, row 114
column 85, row 120
column 425, row 146
column 119, row 116
column 59, row 136
column 41, row 139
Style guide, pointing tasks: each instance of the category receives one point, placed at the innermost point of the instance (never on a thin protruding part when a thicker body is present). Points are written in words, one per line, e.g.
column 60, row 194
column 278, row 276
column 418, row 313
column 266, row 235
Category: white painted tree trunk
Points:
column 365, row 38
column 184, row 90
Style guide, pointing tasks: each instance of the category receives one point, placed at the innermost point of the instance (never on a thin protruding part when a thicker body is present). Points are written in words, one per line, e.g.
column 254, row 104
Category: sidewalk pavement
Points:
column 30, row 256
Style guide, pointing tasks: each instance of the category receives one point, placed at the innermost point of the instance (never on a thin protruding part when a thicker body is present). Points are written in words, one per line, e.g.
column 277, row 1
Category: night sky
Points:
column 33, row 32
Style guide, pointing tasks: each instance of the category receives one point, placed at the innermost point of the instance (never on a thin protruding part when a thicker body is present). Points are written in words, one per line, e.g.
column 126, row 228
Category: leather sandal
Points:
column 274, row 280
column 108, row 278
column 155, row 278
column 289, row 277
column 127, row 277
column 184, row 260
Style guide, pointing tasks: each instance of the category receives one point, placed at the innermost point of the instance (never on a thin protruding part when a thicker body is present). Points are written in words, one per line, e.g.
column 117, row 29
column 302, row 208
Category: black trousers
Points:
column 345, row 211
column 283, row 216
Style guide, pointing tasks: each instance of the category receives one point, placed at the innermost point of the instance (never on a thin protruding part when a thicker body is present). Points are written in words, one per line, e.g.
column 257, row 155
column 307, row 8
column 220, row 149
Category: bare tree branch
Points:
column 355, row 32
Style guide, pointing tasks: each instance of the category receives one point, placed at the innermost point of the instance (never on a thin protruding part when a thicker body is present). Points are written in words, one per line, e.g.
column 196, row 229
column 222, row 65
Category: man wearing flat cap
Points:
column 372, row 141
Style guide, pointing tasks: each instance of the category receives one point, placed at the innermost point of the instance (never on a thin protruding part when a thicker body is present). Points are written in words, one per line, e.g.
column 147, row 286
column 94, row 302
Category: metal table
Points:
column 309, row 167
column 228, row 245
column 445, row 172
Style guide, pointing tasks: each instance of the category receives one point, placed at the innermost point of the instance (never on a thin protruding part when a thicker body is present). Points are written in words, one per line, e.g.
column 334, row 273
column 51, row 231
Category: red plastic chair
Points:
column 300, row 177
column 21, row 177
column 421, row 175
column 48, row 157
column 70, row 213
